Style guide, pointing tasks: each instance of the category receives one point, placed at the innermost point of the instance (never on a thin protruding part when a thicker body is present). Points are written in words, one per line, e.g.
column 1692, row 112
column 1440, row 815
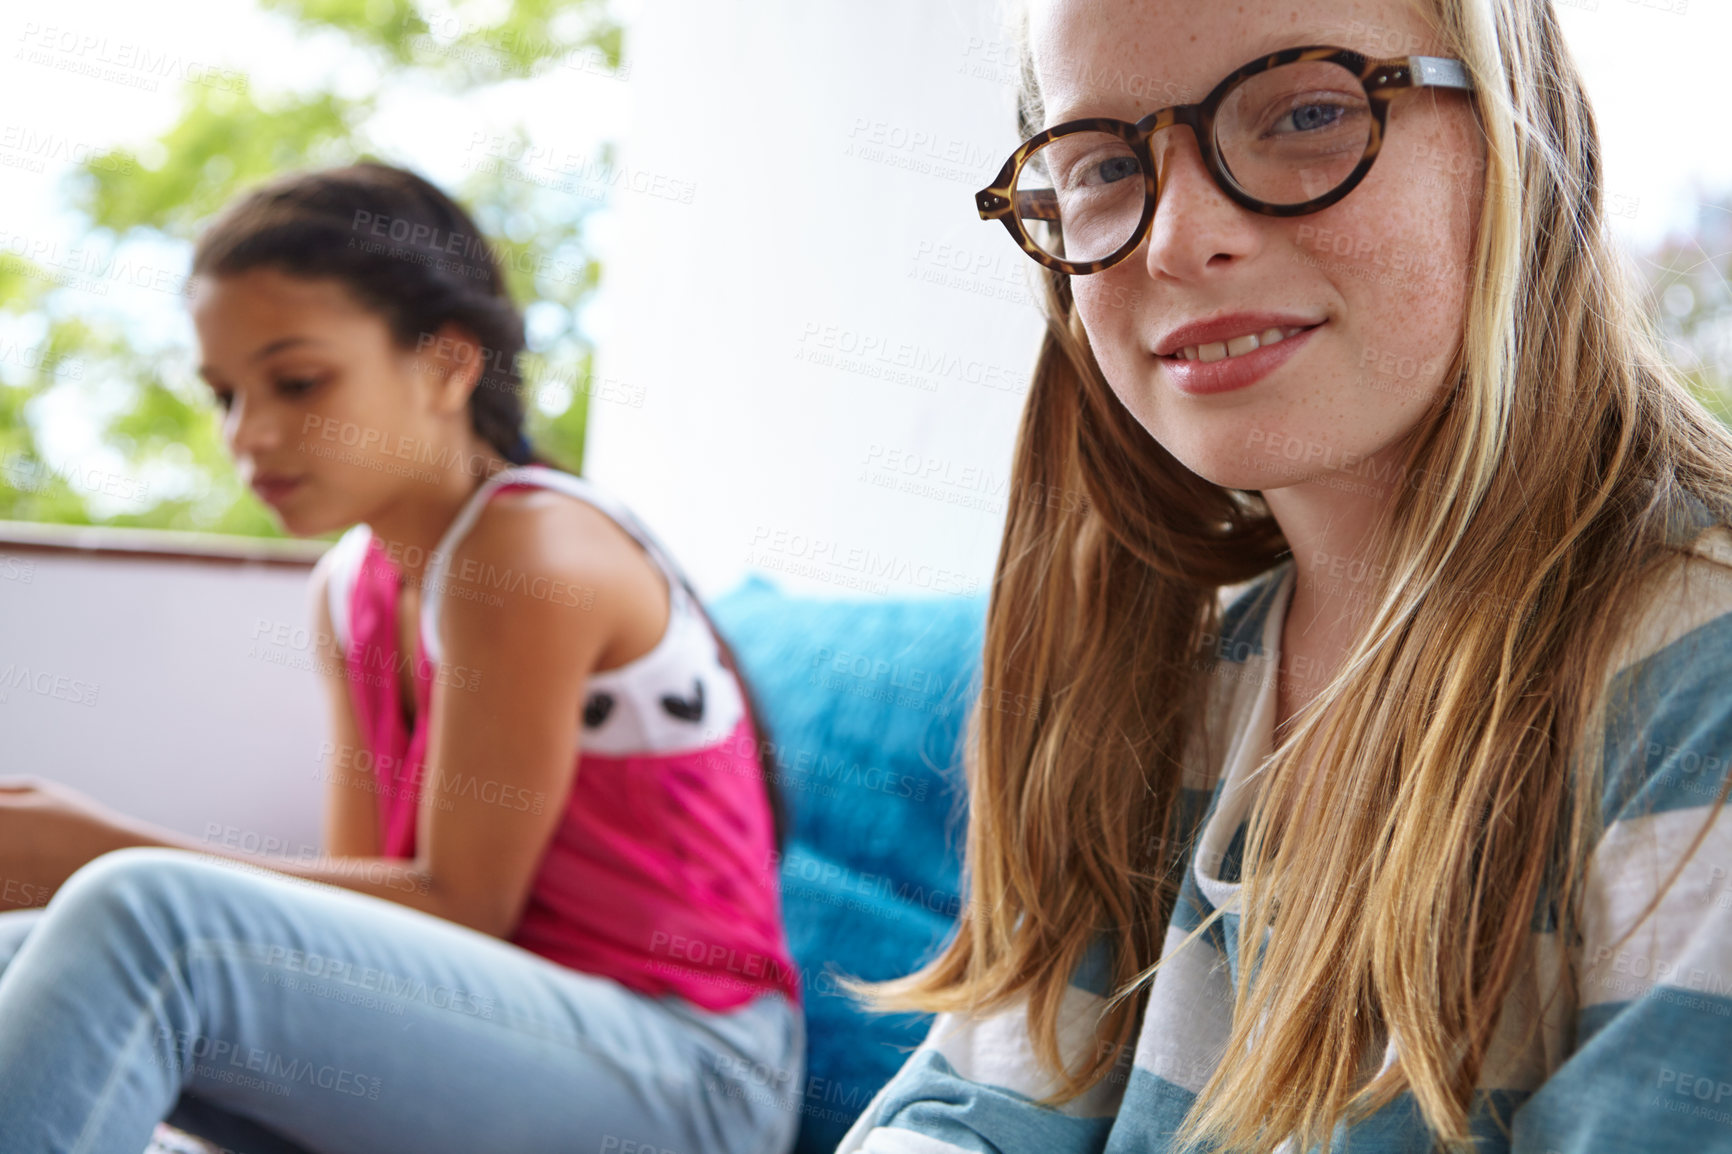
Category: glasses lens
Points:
column 1080, row 196
column 1292, row 133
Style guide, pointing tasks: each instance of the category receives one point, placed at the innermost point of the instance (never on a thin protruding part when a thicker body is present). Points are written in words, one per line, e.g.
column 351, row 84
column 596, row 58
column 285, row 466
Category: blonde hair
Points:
column 1557, row 455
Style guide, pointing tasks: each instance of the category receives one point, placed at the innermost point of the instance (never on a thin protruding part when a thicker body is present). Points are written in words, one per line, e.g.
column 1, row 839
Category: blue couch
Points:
column 866, row 701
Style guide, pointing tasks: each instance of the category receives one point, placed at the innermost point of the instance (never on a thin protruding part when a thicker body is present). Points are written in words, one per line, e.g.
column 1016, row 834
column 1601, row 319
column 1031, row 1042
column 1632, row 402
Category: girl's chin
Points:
column 295, row 527
column 303, row 522
column 1227, row 467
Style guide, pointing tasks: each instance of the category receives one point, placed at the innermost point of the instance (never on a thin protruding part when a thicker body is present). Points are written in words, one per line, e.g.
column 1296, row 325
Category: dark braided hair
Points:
column 406, row 251
column 412, row 255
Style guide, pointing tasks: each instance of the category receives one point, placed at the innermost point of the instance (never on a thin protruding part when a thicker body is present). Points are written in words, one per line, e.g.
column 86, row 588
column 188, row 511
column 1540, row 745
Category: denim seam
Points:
column 178, row 956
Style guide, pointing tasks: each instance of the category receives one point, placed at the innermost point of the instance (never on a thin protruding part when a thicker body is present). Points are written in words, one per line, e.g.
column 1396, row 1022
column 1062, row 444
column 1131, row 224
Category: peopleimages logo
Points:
column 122, row 61
column 15, row 678
column 277, row 1070
column 39, row 148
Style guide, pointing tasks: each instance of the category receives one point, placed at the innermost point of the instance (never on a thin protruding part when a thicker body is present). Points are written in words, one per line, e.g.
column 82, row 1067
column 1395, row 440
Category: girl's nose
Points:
column 251, row 429
column 1196, row 228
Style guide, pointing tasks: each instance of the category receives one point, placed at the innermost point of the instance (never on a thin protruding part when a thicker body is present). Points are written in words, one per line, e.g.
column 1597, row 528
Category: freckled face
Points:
column 1384, row 272
column 313, row 388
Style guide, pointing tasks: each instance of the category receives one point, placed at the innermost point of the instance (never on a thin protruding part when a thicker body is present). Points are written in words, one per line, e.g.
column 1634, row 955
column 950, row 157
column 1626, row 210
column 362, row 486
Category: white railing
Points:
column 166, row 674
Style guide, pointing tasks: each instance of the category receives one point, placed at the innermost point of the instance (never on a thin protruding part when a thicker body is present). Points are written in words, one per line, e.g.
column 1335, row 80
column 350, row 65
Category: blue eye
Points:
column 1310, row 117
column 1118, row 168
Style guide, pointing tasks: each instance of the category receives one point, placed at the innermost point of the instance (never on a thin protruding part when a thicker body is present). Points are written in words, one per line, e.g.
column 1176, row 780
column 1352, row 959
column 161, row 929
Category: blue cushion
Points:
column 866, row 702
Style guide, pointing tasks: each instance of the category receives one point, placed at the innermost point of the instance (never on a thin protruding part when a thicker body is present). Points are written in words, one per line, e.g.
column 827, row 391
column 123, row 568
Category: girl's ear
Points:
column 451, row 361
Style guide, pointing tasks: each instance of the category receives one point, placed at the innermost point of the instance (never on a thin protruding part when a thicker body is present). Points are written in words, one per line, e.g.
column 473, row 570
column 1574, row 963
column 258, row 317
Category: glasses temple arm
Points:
column 1040, row 204
column 1437, row 72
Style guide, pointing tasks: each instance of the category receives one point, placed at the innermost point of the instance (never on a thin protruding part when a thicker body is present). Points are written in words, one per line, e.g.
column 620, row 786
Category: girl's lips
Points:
column 1199, row 378
column 275, row 490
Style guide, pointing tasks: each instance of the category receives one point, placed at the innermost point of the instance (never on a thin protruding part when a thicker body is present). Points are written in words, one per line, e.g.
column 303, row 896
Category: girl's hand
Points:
column 47, row 831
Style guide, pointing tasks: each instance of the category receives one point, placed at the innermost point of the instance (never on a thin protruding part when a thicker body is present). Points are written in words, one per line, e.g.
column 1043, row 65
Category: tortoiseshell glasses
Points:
column 1287, row 134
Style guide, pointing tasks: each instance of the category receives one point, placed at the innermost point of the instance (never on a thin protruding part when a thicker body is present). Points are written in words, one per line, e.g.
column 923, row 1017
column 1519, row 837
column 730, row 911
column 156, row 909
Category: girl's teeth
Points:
column 1221, row 350
column 1243, row 344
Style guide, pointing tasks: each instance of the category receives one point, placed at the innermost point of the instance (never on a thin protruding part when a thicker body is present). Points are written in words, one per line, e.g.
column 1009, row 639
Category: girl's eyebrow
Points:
column 1271, row 42
column 282, row 343
column 275, row 346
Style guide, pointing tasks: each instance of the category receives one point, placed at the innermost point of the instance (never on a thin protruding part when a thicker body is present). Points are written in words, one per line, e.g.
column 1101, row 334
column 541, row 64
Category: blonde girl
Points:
column 1397, row 629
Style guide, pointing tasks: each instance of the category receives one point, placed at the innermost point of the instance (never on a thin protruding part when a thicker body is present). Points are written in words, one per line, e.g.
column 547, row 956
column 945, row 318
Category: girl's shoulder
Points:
column 520, row 520
column 1667, row 737
column 522, row 531
column 1693, row 588
column 542, row 525
column 552, row 505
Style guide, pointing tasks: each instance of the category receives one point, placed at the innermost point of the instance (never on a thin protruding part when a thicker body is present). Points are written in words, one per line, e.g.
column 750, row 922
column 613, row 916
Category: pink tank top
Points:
column 661, row 873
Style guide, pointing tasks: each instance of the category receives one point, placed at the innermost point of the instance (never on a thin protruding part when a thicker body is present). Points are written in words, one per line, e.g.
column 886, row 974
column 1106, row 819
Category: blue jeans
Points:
column 273, row 1015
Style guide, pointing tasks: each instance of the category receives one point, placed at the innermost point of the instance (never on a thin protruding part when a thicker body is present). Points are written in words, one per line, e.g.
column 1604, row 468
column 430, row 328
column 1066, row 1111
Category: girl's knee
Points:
column 139, row 884
column 125, row 868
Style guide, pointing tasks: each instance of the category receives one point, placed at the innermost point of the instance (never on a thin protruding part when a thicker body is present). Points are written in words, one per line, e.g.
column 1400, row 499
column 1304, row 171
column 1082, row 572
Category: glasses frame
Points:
column 1382, row 80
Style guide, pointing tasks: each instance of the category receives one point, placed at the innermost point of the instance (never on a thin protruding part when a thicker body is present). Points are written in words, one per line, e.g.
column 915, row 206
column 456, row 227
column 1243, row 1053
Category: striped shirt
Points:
column 1639, row 1060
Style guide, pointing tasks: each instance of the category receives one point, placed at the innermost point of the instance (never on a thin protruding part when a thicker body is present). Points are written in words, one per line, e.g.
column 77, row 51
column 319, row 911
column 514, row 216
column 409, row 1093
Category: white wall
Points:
column 828, row 310
column 177, row 692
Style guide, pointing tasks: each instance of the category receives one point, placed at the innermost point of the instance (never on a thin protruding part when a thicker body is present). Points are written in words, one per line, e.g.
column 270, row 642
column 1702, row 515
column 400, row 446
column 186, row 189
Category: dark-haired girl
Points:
column 547, row 917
